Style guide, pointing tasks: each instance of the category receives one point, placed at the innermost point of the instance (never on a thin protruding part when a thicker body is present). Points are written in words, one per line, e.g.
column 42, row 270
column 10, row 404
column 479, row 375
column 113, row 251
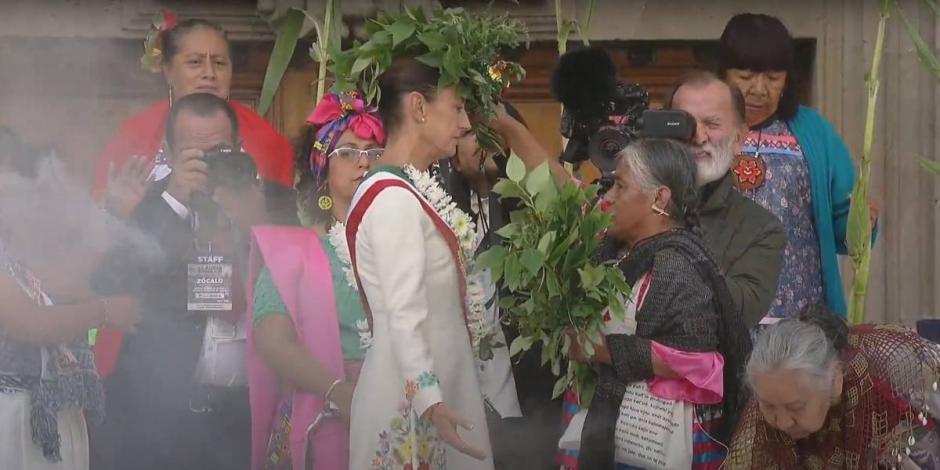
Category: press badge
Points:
column 210, row 284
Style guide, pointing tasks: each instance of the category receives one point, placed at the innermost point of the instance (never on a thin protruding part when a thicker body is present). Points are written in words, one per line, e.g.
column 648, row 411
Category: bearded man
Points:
column 746, row 239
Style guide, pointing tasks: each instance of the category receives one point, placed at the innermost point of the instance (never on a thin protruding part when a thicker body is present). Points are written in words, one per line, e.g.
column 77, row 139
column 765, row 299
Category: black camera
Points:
column 229, row 167
column 602, row 115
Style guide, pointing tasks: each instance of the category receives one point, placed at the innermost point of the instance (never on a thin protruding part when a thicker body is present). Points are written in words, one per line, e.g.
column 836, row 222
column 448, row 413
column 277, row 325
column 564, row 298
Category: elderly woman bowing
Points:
column 827, row 396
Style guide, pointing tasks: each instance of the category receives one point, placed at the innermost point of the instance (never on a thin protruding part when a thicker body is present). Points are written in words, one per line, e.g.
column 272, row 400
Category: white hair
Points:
column 794, row 345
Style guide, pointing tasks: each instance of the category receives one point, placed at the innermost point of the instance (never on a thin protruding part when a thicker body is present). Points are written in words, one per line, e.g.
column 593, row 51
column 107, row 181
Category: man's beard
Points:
column 719, row 162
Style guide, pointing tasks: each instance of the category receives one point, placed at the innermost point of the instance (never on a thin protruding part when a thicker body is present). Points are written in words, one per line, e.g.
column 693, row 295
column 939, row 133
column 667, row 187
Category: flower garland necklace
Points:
column 337, row 238
column 482, row 334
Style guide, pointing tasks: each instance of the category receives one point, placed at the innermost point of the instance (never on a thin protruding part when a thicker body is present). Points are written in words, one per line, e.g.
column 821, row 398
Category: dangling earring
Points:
column 659, row 211
column 325, row 203
column 171, row 96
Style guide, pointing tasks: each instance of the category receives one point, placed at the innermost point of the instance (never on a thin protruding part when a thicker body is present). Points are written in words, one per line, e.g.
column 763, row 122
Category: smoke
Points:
column 51, row 217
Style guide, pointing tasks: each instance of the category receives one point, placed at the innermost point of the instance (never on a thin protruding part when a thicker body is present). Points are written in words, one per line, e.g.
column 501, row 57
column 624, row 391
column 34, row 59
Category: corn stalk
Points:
column 289, row 33
column 859, row 224
column 327, row 37
column 566, row 26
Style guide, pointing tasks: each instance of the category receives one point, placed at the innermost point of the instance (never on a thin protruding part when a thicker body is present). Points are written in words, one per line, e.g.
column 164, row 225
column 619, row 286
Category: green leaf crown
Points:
column 465, row 49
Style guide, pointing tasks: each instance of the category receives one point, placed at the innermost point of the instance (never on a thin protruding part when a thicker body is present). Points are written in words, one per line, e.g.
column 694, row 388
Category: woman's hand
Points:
column 576, row 350
column 445, row 422
column 127, row 187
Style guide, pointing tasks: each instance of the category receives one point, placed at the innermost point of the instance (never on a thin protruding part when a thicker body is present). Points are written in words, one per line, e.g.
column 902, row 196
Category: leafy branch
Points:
column 546, row 264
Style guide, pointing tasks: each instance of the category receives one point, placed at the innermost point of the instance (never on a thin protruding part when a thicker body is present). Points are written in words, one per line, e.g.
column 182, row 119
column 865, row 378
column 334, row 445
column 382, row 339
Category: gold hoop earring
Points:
column 659, row 211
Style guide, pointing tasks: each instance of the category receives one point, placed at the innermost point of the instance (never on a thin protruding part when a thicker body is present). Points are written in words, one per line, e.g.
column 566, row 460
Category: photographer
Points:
column 746, row 239
column 177, row 398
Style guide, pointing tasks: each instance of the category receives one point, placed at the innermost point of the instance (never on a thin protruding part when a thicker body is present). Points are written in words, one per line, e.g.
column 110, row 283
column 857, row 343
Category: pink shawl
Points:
column 300, row 268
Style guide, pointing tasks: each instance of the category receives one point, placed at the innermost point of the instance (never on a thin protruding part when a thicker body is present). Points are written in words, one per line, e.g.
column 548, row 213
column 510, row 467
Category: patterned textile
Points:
column 882, row 420
column 68, row 377
column 786, row 193
column 279, row 457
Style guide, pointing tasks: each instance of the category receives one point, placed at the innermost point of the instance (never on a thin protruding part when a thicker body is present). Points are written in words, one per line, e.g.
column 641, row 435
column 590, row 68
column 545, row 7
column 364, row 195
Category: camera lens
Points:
column 604, row 146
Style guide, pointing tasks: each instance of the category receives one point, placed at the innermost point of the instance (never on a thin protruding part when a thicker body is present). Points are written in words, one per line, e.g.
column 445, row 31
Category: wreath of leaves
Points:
column 465, row 48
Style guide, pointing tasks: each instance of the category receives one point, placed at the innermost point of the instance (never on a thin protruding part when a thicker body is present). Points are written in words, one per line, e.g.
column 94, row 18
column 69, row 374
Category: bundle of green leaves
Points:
column 465, row 48
column 552, row 285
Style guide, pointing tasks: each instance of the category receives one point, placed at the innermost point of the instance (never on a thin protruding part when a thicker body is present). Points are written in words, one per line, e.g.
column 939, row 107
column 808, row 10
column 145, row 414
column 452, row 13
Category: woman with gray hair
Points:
column 828, row 396
column 673, row 362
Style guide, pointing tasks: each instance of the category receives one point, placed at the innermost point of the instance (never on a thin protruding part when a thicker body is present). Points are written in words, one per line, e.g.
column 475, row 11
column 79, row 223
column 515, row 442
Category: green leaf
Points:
column 560, row 386
column 591, row 276
column 544, row 200
column 361, row 64
column 512, row 272
column 401, row 30
column 924, row 51
column 508, row 230
column 617, row 309
column 287, row 35
column 533, row 260
column 432, row 59
column 508, row 188
column 433, row 40
column 491, row 258
column 520, row 344
column 547, row 239
column 515, row 168
column 539, row 179
column 931, row 166
column 615, row 278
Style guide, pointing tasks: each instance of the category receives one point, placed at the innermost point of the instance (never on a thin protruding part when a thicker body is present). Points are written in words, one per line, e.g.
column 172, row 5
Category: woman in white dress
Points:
column 418, row 382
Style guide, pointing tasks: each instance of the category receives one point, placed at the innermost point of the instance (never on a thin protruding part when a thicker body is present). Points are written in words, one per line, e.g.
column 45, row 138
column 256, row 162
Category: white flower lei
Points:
column 337, row 238
column 481, row 331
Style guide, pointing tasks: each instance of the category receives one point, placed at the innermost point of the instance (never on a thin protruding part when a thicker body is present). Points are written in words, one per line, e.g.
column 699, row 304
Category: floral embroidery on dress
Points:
column 410, row 443
column 425, row 379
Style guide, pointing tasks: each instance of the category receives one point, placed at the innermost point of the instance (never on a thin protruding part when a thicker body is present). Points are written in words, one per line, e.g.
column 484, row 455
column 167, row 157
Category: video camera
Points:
column 602, row 115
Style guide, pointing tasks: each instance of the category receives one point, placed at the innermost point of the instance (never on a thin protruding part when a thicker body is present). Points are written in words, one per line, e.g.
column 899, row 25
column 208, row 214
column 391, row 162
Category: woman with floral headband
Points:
column 194, row 56
column 304, row 349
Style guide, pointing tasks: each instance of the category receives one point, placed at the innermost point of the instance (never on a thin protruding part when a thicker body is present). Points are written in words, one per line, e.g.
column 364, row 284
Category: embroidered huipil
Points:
column 786, row 193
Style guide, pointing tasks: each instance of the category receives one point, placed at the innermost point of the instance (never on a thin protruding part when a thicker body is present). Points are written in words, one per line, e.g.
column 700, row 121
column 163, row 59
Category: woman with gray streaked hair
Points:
column 681, row 345
column 828, row 396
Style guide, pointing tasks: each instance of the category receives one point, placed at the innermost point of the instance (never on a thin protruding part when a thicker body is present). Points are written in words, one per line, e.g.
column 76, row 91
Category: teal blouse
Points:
column 267, row 301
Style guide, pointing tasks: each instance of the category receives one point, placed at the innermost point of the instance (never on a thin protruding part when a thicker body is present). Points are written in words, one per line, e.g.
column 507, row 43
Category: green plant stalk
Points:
column 860, row 229
column 324, row 44
column 283, row 50
column 585, row 30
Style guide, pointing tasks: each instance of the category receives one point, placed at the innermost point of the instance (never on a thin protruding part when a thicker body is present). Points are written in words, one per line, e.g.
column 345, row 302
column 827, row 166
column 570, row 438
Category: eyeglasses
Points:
column 351, row 154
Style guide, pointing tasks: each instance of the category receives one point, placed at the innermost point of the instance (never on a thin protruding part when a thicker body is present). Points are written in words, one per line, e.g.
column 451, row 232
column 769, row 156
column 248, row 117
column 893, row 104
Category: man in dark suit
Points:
column 177, row 398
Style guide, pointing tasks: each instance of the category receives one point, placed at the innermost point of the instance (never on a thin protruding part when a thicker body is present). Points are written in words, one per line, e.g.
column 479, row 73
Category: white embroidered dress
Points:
column 421, row 353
